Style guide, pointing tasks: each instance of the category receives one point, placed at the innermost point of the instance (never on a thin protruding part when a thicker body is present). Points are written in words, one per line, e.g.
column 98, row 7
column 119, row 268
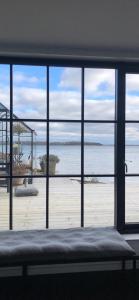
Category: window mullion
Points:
column 120, row 150
column 82, row 147
column 11, row 149
column 47, row 174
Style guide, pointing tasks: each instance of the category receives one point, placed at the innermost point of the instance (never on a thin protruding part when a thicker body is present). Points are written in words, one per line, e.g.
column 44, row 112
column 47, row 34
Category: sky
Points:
column 30, row 94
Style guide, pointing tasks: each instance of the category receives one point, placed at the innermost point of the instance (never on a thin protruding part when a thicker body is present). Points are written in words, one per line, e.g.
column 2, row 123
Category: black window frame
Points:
column 119, row 174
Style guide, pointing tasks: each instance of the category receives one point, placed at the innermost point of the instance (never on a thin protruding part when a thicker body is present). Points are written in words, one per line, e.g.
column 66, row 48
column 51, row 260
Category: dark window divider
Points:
column 47, row 177
column 120, row 151
column 11, row 150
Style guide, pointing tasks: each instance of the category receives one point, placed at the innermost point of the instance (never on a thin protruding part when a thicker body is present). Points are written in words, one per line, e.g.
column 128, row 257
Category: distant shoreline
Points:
column 63, row 143
column 41, row 143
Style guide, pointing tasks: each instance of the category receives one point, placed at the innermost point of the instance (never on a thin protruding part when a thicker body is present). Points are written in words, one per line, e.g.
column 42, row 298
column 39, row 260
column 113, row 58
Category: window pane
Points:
column 65, row 144
column 4, row 144
column 4, row 91
column 29, row 203
column 4, row 171
column 64, row 202
column 132, row 148
column 99, row 201
column 29, row 148
column 4, row 203
column 29, row 92
column 132, row 200
column 99, row 94
column 65, row 93
column 99, row 148
column 132, row 96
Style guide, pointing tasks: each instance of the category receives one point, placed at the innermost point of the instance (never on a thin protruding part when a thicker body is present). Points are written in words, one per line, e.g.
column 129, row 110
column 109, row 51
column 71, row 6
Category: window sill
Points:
column 131, row 236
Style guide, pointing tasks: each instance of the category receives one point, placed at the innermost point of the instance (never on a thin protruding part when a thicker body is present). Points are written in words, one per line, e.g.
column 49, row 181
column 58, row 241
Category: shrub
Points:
column 53, row 160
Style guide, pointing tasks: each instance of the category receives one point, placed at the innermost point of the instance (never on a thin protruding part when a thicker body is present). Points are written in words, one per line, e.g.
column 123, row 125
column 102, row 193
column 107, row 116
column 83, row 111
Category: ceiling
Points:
column 79, row 28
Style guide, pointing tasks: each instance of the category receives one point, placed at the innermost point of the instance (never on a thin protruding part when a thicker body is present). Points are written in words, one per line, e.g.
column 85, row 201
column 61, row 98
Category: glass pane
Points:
column 132, row 148
column 99, row 148
column 4, row 203
column 4, row 91
column 65, row 93
column 29, row 148
column 132, row 200
column 29, row 203
column 99, row 201
column 65, row 144
column 29, row 92
column 132, row 96
column 4, row 144
column 99, row 94
column 64, row 202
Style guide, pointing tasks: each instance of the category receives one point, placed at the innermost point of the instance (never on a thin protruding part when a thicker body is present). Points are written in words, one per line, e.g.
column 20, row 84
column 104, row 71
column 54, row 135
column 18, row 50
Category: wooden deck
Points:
column 64, row 205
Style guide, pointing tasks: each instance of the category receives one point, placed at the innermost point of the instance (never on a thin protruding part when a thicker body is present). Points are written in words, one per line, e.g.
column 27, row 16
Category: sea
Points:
column 97, row 159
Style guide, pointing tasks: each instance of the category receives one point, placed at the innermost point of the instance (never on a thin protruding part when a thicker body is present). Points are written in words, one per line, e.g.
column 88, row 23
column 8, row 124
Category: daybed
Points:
column 56, row 246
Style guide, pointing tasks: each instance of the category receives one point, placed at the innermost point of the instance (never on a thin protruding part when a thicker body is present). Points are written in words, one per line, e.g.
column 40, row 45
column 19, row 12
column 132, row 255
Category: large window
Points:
column 68, row 145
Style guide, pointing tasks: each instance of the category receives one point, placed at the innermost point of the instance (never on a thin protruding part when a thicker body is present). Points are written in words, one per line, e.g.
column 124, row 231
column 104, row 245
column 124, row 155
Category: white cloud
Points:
column 71, row 78
column 31, row 103
column 99, row 110
column 132, row 82
column 65, row 105
column 20, row 77
column 65, row 131
column 132, row 107
column 94, row 78
column 5, row 96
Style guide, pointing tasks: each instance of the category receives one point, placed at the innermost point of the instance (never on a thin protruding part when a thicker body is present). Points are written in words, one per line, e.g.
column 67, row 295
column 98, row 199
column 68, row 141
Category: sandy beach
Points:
column 64, row 205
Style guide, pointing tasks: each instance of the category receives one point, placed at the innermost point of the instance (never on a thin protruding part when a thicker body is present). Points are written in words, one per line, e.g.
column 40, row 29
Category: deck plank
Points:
column 64, row 205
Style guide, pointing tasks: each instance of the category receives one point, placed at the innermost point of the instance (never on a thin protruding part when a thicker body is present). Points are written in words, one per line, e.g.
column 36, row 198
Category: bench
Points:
column 62, row 246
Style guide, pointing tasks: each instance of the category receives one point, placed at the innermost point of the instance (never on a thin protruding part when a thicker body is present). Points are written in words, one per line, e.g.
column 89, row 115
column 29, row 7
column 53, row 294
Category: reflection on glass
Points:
column 99, row 148
column 29, row 148
column 29, row 92
column 4, row 91
column 29, row 203
column 4, row 144
column 65, row 148
column 4, row 169
column 132, row 200
column 132, row 97
column 99, row 94
column 65, row 93
column 64, row 202
column 4, row 203
column 99, row 202
column 132, row 148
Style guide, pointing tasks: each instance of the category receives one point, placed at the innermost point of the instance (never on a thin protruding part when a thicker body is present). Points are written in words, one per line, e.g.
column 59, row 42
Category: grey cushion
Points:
column 26, row 191
column 62, row 245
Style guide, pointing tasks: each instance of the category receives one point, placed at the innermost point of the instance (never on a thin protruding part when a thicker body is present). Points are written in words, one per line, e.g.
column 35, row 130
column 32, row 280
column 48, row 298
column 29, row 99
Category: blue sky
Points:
column 34, row 77
column 55, row 75
column 4, row 75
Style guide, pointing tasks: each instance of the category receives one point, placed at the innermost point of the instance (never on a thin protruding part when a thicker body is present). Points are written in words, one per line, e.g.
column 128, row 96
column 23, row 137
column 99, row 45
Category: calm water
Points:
column 97, row 159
